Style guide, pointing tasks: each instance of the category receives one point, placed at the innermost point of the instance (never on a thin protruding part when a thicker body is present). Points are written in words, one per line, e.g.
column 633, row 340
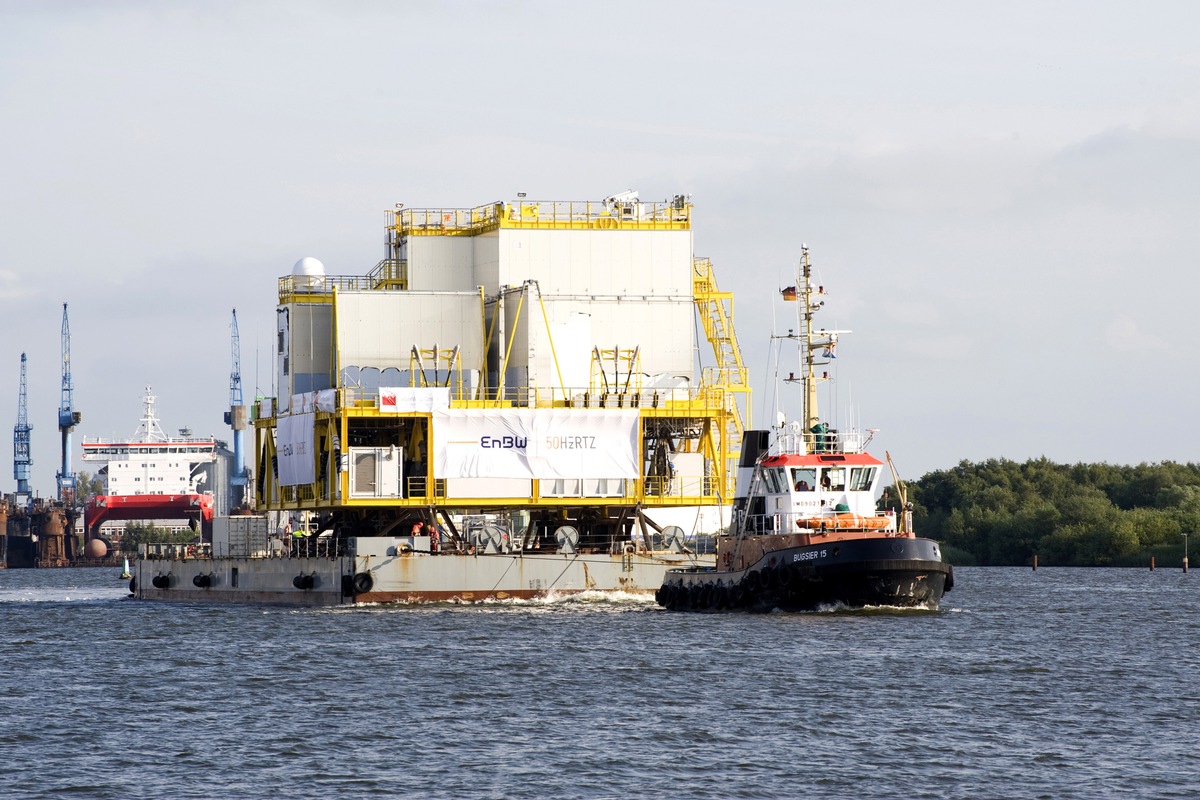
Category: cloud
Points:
column 12, row 287
column 1124, row 336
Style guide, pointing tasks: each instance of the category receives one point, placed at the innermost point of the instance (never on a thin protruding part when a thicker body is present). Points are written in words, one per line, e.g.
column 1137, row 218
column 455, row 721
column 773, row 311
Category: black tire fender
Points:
column 363, row 583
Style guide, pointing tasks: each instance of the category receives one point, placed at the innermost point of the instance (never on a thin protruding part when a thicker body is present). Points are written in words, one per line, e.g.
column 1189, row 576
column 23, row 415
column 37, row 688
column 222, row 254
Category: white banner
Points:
column 536, row 443
column 400, row 399
column 294, row 448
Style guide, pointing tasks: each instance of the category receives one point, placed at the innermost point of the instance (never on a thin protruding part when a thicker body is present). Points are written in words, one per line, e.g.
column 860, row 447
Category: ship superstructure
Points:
column 151, row 476
column 535, row 356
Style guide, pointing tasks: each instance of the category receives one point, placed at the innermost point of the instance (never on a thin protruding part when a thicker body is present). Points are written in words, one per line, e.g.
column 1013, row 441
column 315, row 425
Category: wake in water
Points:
column 62, row 595
column 589, row 601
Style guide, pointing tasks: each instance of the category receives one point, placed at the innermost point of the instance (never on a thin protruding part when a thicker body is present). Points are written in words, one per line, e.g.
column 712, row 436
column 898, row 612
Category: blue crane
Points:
column 68, row 418
column 22, row 461
column 235, row 417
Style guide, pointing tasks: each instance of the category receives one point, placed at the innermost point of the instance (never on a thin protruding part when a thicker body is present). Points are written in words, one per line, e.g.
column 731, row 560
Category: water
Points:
column 1049, row 684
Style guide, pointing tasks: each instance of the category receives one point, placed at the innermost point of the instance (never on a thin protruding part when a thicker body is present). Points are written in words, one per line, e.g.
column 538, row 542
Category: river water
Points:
column 1059, row 683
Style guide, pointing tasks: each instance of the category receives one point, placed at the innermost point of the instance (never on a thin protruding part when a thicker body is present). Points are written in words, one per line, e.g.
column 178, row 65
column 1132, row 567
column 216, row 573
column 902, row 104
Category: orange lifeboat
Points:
column 844, row 522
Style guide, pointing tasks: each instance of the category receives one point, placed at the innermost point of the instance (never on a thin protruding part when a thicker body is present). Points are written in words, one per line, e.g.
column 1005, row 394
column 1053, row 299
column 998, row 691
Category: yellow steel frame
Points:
column 705, row 408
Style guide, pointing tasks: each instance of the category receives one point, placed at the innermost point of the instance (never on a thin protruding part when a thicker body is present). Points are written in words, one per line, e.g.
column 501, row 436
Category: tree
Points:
column 138, row 533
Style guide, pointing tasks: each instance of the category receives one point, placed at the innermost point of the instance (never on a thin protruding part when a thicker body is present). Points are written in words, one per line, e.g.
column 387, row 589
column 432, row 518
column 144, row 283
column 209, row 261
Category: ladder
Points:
column 729, row 375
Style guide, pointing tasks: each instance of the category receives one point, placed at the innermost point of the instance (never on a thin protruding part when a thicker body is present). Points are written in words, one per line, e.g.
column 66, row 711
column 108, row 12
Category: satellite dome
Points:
column 310, row 267
column 309, row 274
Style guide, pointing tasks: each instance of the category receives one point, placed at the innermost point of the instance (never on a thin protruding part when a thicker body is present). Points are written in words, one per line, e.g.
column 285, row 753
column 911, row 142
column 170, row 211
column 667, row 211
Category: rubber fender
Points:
column 347, row 586
column 737, row 594
column 753, row 582
column 949, row 579
column 721, row 597
column 660, row 595
column 161, row 582
column 133, row 585
column 304, row 582
column 785, row 576
column 202, row 581
column 363, row 583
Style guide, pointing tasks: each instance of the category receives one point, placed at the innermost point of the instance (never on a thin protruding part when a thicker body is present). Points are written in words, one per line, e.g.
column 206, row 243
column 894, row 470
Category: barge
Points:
column 520, row 399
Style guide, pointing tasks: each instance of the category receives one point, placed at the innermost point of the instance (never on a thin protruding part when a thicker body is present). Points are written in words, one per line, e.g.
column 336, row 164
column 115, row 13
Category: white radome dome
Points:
column 309, row 274
column 310, row 267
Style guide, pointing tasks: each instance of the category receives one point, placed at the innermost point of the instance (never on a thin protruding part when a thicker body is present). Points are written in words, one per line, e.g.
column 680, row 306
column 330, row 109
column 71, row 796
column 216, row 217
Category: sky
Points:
column 1001, row 198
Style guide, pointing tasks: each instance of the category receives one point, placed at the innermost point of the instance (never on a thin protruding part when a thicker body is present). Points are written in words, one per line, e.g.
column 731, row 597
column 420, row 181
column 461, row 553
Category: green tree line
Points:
column 137, row 533
column 1000, row 512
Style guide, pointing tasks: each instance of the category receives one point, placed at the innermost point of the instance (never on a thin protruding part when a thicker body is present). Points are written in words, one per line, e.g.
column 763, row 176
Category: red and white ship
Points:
column 151, row 476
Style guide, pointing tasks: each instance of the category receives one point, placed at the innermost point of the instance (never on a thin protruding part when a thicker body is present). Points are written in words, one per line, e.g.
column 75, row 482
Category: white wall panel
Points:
column 379, row 329
column 486, row 260
column 598, row 262
column 441, row 263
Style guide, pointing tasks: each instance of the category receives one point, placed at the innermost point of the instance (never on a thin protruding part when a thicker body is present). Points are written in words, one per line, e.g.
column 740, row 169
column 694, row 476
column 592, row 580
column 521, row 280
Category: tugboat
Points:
column 806, row 533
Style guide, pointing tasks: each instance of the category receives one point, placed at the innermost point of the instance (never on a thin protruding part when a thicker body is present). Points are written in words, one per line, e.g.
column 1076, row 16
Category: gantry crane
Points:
column 235, row 418
column 21, row 458
column 68, row 418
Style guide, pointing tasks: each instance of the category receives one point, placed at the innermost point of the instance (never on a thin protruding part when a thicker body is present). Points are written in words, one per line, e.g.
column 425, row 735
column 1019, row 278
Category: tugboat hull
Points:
column 900, row 572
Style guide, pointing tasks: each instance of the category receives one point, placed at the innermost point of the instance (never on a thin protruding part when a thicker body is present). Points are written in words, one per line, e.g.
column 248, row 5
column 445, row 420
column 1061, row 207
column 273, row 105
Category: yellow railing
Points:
column 580, row 214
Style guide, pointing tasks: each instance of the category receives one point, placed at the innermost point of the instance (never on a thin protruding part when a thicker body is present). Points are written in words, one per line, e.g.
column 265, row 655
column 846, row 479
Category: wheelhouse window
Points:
column 833, row 480
column 862, row 478
column 776, row 484
column 804, row 480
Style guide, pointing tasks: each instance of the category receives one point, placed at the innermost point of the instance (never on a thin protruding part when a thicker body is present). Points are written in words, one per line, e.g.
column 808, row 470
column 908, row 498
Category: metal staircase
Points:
column 729, row 376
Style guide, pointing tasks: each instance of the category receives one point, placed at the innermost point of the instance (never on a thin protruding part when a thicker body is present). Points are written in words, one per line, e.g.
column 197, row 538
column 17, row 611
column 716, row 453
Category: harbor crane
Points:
column 236, row 418
column 68, row 418
column 21, row 458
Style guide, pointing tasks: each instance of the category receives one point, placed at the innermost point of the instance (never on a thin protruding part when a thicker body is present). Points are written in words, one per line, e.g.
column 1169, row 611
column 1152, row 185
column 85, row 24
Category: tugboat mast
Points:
column 812, row 339
column 808, row 338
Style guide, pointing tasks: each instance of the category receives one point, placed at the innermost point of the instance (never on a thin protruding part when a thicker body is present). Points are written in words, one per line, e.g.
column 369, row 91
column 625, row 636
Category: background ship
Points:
column 150, row 476
column 500, row 407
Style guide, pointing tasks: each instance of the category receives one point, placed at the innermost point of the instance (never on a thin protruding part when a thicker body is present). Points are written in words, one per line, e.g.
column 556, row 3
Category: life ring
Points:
column 363, row 583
